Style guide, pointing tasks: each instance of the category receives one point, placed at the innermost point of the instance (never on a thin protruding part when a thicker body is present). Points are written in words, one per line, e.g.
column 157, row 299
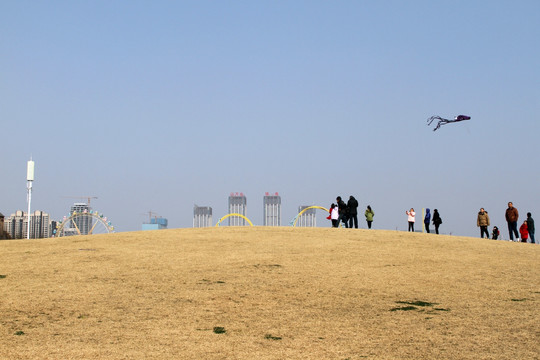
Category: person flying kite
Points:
column 443, row 121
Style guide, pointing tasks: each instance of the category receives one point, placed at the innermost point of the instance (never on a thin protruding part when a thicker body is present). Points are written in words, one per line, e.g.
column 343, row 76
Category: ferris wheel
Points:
column 83, row 223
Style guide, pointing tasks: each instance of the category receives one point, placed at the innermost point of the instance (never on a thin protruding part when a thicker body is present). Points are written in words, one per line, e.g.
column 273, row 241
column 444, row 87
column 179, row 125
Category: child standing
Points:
column 524, row 232
column 334, row 215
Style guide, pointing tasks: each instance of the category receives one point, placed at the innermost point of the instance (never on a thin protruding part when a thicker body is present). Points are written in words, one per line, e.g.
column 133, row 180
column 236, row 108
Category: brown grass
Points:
column 269, row 293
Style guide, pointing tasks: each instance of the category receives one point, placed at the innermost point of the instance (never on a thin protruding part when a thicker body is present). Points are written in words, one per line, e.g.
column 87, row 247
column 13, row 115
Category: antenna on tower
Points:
column 29, row 180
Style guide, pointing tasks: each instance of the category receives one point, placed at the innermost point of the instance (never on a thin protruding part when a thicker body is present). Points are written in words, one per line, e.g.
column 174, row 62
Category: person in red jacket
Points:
column 523, row 230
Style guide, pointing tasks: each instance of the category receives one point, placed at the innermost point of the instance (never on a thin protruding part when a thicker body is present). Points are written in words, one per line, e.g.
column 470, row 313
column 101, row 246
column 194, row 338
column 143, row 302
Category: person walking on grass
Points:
column 482, row 221
column 411, row 219
column 369, row 214
column 530, row 227
column 437, row 221
column 511, row 215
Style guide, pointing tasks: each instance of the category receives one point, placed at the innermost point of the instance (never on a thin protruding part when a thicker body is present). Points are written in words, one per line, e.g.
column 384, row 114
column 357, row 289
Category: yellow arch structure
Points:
column 234, row 214
column 306, row 209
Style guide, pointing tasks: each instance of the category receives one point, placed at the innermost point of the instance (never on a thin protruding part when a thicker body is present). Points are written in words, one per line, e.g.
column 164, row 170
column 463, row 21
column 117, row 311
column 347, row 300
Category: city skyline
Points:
column 15, row 226
column 238, row 205
column 202, row 216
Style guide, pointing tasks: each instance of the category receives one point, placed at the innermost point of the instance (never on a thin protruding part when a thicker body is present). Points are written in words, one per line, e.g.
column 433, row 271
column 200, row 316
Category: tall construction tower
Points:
column 237, row 205
column 272, row 209
column 84, row 224
column 202, row 216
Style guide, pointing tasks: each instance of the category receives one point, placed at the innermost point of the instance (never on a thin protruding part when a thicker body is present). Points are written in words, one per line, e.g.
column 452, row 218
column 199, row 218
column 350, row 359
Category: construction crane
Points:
column 150, row 213
column 88, row 198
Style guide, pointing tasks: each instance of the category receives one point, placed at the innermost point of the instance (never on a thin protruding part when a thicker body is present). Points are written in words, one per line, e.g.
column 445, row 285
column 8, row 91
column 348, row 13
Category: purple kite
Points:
column 443, row 121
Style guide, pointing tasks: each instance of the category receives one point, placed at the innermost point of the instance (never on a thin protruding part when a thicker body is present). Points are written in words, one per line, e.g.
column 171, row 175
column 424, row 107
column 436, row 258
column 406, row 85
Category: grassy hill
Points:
column 269, row 293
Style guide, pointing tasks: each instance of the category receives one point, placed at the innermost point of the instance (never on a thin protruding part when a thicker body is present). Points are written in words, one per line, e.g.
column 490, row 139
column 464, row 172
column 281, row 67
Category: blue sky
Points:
column 165, row 104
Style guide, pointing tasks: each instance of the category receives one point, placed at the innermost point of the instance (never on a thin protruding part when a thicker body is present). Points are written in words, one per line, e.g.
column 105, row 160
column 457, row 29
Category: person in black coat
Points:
column 530, row 226
column 343, row 211
column 437, row 221
column 352, row 205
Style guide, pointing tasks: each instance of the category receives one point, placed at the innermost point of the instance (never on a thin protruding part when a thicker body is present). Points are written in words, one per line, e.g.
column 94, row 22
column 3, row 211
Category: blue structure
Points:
column 155, row 224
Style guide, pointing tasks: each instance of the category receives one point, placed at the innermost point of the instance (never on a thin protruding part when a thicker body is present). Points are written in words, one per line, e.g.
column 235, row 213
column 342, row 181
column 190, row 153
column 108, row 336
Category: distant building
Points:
column 40, row 225
column 83, row 223
column 237, row 205
column 202, row 216
column 272, row 210
column 157, row 223
column 16, row 225
column 308, row 218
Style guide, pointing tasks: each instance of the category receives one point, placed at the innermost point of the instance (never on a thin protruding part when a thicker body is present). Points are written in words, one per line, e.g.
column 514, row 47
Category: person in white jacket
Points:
column 411, row 218
column 334, row 215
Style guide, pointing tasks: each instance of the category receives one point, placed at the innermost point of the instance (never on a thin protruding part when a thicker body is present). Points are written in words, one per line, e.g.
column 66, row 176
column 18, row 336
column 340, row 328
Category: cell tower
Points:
column 237, row 205
column 29, row 180
column 272, row 210
column 308, row 218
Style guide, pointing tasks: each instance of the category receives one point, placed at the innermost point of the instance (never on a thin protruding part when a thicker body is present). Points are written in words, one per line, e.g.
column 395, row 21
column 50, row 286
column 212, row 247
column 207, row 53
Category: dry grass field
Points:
column 269, row 293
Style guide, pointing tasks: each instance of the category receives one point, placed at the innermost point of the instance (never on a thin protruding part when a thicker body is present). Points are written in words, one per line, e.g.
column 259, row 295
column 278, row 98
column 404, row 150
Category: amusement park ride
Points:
column 85, row 222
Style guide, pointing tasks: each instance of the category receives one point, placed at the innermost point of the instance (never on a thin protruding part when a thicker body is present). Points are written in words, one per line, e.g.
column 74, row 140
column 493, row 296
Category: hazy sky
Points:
column 160, row 105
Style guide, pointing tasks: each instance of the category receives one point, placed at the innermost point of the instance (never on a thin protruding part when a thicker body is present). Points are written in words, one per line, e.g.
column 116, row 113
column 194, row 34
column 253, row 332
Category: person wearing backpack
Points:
column 437, row 221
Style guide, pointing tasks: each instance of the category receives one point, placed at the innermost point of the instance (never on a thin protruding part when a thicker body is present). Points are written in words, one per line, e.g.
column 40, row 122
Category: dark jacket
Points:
column 352, row 204
column 342, row 207
column 436, row 218
column 530, row 224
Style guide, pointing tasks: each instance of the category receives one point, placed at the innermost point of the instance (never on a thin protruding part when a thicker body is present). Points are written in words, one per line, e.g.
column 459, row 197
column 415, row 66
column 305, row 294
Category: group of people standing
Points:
column 347, row 213
column 437, row 221
column 511, row 215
